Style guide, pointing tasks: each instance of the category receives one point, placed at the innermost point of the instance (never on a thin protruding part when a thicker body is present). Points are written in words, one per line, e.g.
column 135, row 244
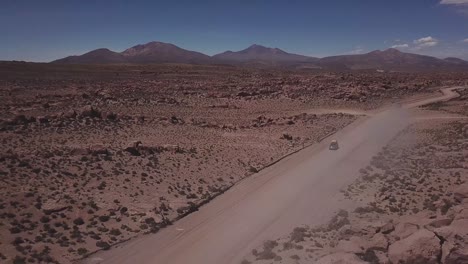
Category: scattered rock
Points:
column 70, row 114
column 403, row 230
column 457, row 229
column 98, row 150
column 387, row 228
column 458, row 256
column 461, row 192
column 422, row 247
column 353, row 245
column 53, row 206
column 90, row 111
column 441, row 222
column 379, row 242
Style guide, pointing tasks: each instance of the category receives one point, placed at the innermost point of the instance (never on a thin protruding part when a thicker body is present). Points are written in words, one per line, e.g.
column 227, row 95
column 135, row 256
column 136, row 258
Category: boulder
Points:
column 387, row 229
column 462, row 214
column 353, row 245
column 379, row 242
column 70, row 114
column 403, row 230
column 89, row 111
column 458, row 228
column 457, row 256
column 134, row 148
column 461, row 192
column 422, row 247
column 440, row 222
column 447, row 248
column 382, row 257
column 341, row 258
column 98, row 149
column 53, row 206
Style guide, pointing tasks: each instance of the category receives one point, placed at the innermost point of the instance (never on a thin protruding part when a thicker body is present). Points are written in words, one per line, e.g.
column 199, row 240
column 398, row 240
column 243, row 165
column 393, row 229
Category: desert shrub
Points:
column 104, row 218
column 269, row 245
column 78, row 221
column 368, row 209
column 339, row 220
column 288, row 246
column 82, row 251
column 102, row 186
column 44, row 219
column 15, row 230
column 369, row 256
column 115, row 232
column 446, row 206
column 17, row 241
column 19, row 260
column 253, row 169
column 267, row 252
column 298, row 234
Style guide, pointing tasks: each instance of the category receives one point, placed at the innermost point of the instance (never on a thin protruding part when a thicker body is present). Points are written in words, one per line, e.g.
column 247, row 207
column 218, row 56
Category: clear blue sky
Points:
column 44, row 30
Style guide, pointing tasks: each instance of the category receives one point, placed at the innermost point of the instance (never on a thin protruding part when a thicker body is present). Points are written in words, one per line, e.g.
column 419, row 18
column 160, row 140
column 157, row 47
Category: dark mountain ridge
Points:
column 261, row 56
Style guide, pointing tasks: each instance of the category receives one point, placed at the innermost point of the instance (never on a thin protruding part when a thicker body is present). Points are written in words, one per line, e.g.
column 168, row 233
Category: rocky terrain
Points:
column 412, row 203
column 95, row 155
column 456, row 106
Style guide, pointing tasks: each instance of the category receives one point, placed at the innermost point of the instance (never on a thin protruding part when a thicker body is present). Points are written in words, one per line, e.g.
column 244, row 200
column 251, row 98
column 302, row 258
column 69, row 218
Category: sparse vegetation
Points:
column 84, row 149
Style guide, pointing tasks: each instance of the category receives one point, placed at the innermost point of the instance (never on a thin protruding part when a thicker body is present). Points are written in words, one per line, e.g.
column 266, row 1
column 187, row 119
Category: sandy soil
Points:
column 76, row 179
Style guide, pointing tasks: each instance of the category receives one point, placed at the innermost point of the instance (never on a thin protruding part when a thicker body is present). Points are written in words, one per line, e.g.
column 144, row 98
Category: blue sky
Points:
column 50, row 29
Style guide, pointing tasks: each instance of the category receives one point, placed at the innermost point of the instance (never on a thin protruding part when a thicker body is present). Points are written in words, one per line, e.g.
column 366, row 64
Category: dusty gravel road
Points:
column 300, row 189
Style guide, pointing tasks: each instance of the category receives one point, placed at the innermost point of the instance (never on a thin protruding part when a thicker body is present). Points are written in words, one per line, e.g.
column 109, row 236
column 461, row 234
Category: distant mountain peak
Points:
column 255, row 46
column 387, row 51
column 390, row 59
column 151, row 52
column 392, row 51
column 256, row 53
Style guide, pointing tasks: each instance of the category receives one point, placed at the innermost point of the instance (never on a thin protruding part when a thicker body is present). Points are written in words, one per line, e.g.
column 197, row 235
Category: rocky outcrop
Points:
column 53, row 206
column 404, row 230
column 353, row 245
column 422, row 247
column 457, row 256
column 461, row 193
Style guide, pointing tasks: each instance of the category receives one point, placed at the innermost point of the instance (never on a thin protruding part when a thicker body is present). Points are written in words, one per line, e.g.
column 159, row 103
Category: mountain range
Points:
column 260, row 56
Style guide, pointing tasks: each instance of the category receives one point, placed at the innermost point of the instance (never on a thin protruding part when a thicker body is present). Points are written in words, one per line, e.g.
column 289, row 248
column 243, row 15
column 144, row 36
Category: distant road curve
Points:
column 300, row 189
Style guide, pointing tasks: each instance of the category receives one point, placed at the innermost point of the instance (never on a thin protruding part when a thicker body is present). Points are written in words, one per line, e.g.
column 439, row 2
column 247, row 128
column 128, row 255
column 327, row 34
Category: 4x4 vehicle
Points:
column 333, row 145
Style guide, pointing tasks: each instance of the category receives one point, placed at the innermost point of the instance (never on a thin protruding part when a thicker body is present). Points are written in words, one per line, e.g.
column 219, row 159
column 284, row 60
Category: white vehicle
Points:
column 333, row 145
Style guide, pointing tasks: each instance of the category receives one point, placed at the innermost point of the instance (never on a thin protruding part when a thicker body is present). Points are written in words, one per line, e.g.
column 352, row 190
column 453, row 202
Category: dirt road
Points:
column 300, row 189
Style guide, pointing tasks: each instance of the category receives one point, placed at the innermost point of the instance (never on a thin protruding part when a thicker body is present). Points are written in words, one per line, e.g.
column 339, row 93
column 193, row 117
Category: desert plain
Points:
column 96, row 155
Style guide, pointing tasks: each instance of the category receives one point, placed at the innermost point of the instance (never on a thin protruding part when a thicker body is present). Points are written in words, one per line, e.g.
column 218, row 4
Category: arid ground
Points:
column 96, row 155
column 410, row 202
